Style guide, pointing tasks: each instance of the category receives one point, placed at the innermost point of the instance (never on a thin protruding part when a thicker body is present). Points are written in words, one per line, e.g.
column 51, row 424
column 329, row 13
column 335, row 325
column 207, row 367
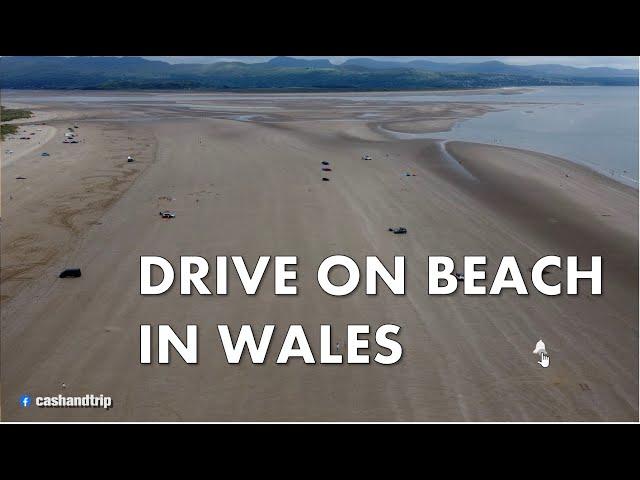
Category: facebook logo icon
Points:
column 25, row 401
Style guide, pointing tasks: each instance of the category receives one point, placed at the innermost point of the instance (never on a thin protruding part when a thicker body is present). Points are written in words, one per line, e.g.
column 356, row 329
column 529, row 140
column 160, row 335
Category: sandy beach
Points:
column 245, row 178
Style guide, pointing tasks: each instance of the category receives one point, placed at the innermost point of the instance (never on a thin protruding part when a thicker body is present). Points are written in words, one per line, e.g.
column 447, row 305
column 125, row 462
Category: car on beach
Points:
column 168, row 214
column 398, row 230
column 70, row 273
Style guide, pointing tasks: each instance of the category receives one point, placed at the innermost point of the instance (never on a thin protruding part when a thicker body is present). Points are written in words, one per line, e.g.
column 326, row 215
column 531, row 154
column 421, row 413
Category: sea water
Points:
column 593, row 126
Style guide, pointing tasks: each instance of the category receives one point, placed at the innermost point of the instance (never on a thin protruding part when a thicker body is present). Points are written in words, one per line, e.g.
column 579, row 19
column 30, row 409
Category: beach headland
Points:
column 243, row 175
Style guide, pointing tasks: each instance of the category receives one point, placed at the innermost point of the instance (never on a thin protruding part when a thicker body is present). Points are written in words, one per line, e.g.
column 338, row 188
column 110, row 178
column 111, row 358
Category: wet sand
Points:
column 254, row 188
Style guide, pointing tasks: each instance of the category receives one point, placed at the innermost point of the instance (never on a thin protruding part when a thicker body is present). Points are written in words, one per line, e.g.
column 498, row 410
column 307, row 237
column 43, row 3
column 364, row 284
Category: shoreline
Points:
column 487, row 90
column 448, row 126
column 410, row 136
column 562, row 162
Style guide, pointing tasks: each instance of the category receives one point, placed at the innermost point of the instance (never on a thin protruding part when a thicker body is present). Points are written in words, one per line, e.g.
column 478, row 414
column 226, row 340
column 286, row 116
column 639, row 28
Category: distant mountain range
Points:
column 287, row 73
column 496, row 67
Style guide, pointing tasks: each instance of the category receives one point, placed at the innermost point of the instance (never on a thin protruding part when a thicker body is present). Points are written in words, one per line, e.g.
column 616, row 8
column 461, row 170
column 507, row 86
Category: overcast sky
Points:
column 615, row 62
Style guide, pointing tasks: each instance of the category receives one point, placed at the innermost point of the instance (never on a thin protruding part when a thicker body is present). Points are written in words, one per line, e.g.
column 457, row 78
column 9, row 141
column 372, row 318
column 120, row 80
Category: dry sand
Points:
column 253, row 188
column 13, row 147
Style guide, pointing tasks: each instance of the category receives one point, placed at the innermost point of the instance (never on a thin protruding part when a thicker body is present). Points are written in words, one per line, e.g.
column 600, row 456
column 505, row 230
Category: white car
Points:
column 167, row 214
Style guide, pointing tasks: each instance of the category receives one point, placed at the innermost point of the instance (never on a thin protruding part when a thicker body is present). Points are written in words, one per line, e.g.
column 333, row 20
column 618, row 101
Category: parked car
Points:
column 70, row 273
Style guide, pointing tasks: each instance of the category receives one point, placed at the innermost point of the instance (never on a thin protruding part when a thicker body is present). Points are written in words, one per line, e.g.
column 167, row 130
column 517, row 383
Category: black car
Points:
column 70, row 273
